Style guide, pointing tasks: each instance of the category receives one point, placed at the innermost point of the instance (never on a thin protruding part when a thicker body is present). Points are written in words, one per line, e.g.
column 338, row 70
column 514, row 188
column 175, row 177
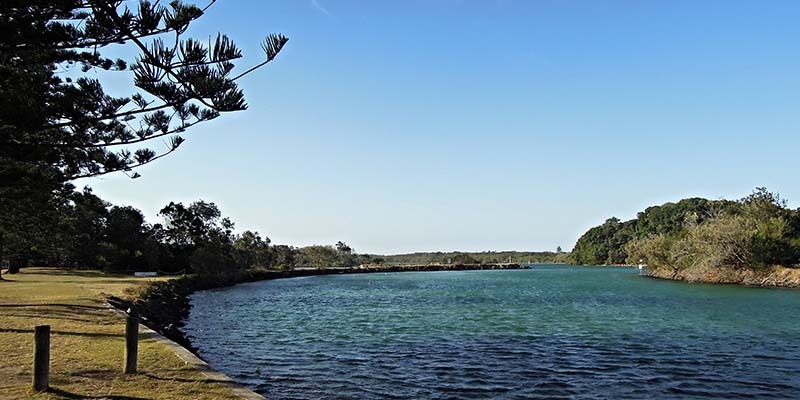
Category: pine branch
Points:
column 125, row 168
column 272, row 45
column 115, row 116
column 135, row 141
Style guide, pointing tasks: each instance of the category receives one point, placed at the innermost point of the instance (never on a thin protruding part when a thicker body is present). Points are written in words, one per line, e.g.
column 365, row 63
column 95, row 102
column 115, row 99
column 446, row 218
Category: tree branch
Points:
column 115, row 116
column 170, row 132
column 126, row 168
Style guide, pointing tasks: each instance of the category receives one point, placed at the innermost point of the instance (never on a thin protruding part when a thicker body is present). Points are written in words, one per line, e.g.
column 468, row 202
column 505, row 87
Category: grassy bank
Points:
column 87, row 342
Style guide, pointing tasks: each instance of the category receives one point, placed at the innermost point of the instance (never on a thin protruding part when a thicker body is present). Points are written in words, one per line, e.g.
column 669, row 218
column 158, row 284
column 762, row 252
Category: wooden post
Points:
column 41, row 358
column 131, row 341
column 1, row 256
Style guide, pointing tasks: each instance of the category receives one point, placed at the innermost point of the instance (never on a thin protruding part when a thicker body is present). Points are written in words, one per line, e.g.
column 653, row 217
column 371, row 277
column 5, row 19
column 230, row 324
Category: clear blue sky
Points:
column 459, row 125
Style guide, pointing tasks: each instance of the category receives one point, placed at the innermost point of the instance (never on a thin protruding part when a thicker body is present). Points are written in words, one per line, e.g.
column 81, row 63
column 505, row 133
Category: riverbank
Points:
column 87, row 341
column 164, row 304
column 777, row 277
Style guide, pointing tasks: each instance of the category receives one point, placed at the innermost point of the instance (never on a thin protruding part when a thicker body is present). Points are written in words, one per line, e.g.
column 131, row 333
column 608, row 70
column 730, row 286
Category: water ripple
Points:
column 542, row 334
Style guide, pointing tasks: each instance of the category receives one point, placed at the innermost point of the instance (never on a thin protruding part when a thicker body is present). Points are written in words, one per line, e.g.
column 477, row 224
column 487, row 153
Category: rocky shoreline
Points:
column 772, row 277
column 164, row 305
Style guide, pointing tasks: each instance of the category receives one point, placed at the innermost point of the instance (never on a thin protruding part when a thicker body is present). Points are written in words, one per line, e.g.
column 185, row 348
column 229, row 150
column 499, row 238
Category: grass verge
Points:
column 87, row 342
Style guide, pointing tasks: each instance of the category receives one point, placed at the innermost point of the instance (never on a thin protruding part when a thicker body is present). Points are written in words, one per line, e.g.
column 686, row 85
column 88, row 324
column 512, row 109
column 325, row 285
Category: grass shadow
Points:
column 76, row 396
column 70, row 306
column 69, row 272
column 55, row 311
column 67, row 333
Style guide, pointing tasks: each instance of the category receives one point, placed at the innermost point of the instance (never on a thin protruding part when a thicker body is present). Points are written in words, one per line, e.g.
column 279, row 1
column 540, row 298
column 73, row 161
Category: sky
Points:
column 486, row 125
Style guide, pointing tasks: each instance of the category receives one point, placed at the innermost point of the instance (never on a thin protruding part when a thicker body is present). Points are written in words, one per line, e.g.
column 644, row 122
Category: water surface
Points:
column 550, row 332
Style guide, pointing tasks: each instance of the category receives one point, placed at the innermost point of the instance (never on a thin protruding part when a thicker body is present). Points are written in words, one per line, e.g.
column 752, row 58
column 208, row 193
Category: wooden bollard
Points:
column 41, row 358
column 131, row 341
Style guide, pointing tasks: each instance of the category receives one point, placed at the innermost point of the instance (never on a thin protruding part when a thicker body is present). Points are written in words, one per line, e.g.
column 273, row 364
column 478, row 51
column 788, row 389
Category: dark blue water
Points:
column 551, row 332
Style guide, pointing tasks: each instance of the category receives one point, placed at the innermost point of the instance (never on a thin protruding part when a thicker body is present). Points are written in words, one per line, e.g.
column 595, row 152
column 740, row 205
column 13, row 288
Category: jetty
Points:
column 398, row 267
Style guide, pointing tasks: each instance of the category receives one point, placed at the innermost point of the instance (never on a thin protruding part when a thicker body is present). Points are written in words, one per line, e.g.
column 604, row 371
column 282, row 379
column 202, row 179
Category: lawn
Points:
column 87, row 342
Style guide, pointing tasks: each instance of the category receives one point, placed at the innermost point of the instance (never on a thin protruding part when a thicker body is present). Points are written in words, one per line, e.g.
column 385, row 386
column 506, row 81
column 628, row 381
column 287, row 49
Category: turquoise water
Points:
column 550, row 332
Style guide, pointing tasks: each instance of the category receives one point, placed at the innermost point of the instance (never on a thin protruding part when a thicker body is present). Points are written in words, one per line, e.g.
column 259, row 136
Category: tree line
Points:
column 78, row 229
column 758, row 230
column 480, row 257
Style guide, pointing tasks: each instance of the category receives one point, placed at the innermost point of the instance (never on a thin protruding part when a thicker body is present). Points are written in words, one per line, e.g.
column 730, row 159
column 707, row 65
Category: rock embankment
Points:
column 765, row 277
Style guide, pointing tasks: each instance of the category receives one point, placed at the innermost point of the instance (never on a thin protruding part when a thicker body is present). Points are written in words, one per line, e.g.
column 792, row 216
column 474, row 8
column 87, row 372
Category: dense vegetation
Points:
column 484, row 257
column 84, row 231
column 57, row 124
column 756, row 231
column 605, row 244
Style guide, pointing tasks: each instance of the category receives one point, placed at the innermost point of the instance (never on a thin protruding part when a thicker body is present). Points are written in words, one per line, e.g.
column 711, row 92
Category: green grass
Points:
column 87, row 342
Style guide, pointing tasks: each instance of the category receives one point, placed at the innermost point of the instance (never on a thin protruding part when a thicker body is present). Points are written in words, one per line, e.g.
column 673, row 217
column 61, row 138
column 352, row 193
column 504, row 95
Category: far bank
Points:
column 769, row 277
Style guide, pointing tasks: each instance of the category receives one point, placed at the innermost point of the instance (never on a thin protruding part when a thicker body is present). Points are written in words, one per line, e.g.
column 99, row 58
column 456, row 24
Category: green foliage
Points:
column 464, row 258
column 30, row 218
column 128, row 239
column 83, row 231
column 196, row 224
column 252, row 251
column 722, row 241
column 56, row 116
column 605, row 244
column 757, row 231
column 213, row 257
column 197, row 227
column 284, row 256
column 339, row 255
column 57, row 122
column 318, row 257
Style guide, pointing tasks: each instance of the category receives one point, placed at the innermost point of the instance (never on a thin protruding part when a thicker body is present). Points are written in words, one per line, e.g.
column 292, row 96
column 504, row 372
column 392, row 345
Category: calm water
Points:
column 551, row 332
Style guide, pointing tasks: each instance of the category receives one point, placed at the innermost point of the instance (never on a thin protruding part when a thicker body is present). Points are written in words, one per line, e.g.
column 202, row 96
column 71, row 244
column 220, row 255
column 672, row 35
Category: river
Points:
column 548, row 332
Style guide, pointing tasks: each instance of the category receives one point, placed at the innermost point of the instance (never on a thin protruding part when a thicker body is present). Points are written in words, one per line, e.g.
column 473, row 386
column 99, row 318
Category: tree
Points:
column 129, row 239
column 756, row 231
column 603, row 244
column 252, row 250
column 723, row 242
column 57, row 123
column 31, row 221
column 86, row 223
column 319, row 257
column 193, row 225
column 213, row 257
column 66, row 124
column 343, row 248
column 762, row 204
column 187, row 229
column 125, row 229
column 285, row 256
column 777, row 228
column 464, row 258
column 659, row 252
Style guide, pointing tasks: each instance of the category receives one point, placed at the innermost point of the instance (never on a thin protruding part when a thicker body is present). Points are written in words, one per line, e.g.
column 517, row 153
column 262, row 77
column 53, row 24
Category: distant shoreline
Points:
column 165, row 304
column 768, row 277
